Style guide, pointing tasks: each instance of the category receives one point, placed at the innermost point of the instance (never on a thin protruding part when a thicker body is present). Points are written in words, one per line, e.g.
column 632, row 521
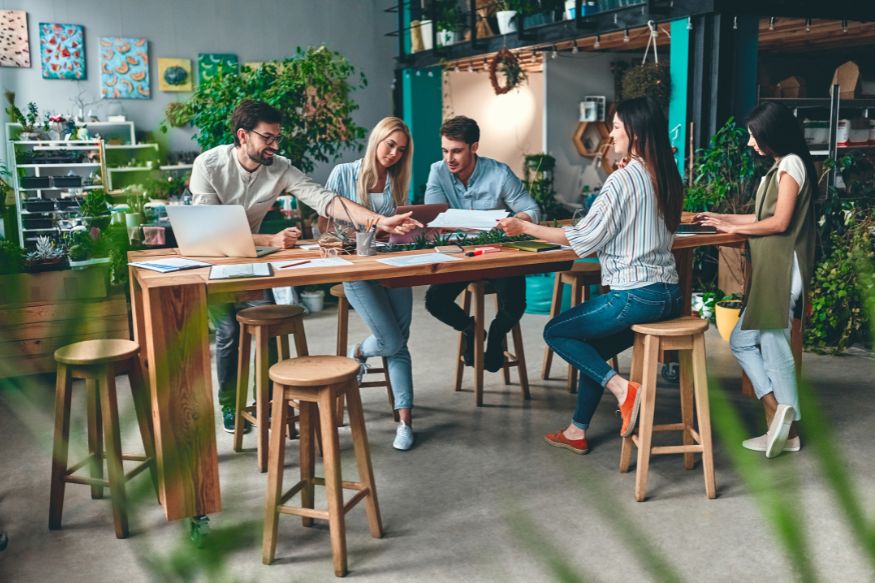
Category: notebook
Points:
column 534, row 246
column 241, row 270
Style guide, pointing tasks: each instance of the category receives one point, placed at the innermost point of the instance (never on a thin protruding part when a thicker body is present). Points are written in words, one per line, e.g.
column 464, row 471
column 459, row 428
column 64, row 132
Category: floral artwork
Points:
column 174, row 74
column 14, row 42
column 209, row 64
column 62, row 50
column 124, row 68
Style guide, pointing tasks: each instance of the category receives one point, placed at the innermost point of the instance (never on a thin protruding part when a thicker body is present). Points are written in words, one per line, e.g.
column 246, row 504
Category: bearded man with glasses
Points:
column 250, row 172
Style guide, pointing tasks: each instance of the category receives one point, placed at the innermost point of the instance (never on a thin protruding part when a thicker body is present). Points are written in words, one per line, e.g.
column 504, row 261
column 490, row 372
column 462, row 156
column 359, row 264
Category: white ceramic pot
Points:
column 313, row 300
column 506, row 21
column 447, row 37
column 425, row 30
column 133, row 220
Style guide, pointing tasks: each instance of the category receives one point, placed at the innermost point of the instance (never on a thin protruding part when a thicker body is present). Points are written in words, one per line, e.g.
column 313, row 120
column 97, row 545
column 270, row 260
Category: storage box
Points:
column 65, row 181
column 792, row 87
column 35, row 181
column 39, row 206
column 816, row 132
column 847, row 76
column 859, row 132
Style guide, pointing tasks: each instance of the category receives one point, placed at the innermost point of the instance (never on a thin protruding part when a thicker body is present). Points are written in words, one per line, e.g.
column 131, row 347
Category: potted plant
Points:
column 46, row 256
column 726, row 312
column 135, row 200
column 450, row 21
column 95, row 209
column 31, row 129
column 538, row 178
column 313, row 298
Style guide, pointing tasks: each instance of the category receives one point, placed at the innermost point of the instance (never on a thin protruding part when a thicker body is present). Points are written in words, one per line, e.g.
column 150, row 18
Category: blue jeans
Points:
column 387, row 312
column 587, row 335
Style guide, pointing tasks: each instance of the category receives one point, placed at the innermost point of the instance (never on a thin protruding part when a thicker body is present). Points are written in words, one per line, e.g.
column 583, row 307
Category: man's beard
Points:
column 260, row 158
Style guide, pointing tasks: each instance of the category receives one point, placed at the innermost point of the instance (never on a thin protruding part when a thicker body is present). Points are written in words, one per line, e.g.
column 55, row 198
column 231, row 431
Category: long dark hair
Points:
column 647, row 129
column 778, row 133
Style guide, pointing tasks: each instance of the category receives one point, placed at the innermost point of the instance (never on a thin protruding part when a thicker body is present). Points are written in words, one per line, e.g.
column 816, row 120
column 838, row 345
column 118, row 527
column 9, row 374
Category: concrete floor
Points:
column 479, row 498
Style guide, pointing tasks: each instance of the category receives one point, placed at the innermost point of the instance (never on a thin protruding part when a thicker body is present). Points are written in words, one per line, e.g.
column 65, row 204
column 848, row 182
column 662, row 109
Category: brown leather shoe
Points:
column 629, row 409
column 558, row 439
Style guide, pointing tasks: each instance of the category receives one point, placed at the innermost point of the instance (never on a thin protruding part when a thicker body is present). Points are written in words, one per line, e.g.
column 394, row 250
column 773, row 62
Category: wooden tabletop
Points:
column 368, row 268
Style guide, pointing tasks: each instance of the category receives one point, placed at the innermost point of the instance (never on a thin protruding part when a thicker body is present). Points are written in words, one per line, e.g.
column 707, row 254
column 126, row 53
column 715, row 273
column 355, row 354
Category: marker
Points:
column 482, row 251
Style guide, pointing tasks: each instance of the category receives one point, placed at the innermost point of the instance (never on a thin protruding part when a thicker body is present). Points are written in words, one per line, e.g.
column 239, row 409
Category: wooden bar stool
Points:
column 342, row 343
column 264, row 323
column 98, row 362
column 582, row 275
column 316, row 382
column 687, row 336
column 478, row 290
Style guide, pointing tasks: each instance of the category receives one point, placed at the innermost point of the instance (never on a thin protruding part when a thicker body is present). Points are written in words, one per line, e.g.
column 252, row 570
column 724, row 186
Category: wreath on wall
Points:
column 506, row 63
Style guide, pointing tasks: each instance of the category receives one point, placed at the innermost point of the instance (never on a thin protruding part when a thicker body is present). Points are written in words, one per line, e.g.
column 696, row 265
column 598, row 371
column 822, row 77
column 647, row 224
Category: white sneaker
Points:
column 776, row 437
column 403, row 437
column 759, row 443
column 355, row 352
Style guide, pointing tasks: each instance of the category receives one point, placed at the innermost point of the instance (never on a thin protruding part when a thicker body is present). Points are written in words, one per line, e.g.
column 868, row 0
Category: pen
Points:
column 294, row 263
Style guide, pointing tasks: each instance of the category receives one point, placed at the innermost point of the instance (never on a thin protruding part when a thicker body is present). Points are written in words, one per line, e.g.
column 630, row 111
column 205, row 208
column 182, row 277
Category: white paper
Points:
column 309, row 247
column 169, row 264
column 322, row 262
column 239, row 270
column 424, row 259
column 468, row 219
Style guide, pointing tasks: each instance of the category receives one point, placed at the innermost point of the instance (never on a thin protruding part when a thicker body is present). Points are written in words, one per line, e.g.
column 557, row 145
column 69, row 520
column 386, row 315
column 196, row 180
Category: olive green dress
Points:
column 767, row 293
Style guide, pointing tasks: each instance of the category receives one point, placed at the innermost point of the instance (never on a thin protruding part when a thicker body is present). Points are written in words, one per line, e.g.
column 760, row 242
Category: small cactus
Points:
column 45, row 251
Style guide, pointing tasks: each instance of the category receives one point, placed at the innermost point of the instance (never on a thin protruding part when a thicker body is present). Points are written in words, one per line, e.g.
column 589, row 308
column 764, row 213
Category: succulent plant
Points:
column 46, row 251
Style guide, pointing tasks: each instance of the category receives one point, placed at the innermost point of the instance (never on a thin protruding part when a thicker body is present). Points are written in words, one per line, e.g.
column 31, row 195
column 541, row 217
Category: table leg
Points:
column 174, row 337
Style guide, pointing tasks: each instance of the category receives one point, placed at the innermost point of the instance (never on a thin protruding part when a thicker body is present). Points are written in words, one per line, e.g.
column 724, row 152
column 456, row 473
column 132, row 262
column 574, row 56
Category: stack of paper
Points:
column 170, row 264
column 468, row 219
column 424, row 259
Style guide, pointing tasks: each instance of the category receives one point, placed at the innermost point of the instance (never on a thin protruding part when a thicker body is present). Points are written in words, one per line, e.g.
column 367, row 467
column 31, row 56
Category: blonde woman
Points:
column 380, row 182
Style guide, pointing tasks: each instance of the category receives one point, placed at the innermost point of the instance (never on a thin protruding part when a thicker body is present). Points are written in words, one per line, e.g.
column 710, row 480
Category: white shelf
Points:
column 73, row 165
column 26, row 230
column 177, row 167
column 44, row 148
column 38, row 143
column 88, row 187
column 131, row 169
column 130, row 146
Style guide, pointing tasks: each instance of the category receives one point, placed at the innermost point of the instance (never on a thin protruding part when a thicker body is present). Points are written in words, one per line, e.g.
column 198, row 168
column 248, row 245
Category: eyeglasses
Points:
column 269, row 139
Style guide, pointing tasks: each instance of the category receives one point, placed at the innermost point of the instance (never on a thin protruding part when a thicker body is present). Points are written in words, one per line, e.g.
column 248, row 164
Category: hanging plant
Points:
column 506, row 63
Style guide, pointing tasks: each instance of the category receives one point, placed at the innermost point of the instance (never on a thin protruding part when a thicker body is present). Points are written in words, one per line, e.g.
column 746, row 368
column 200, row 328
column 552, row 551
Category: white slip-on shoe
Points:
column 403, row 437
column 793, row 444
column 779, row 429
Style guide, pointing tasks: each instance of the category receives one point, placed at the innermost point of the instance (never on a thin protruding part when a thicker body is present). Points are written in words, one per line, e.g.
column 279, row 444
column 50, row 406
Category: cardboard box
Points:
column 792, row 87
column 847, row 76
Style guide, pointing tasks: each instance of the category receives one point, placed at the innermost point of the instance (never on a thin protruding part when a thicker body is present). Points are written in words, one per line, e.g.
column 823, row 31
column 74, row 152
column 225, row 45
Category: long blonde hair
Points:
column 398, row 174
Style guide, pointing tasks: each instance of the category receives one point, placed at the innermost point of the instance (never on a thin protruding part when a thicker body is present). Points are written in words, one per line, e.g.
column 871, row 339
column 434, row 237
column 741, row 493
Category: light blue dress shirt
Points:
column 343, row 180
column 492, row 186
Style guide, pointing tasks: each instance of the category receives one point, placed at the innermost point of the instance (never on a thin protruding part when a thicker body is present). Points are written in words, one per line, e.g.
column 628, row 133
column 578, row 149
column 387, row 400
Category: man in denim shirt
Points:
column 464, row 180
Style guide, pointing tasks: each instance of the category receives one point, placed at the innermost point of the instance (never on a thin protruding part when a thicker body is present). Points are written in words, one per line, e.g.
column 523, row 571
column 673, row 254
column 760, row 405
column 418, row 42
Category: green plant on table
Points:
column 312, row 89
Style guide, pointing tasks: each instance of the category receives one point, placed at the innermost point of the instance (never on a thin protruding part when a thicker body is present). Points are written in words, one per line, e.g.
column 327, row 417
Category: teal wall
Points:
column 680, row 91
column 746, row 62
column 423, row 114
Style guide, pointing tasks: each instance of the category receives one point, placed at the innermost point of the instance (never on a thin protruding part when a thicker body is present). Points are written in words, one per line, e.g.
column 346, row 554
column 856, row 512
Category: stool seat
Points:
column 677, row 327
column 310, row 371
column 267, row 315
column 96, row 351
column 337, row 291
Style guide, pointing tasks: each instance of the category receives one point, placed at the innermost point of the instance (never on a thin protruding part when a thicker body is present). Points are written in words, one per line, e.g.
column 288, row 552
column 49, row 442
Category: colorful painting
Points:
column 124, row 68
column 62, row 50
column 208, row 64
column 174, row 74
column 14, row 42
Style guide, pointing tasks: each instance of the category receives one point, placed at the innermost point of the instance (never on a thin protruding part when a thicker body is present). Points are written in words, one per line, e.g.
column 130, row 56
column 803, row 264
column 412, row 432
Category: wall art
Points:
column 62, row 50
column 14, row 42
column 124, row 68
column 174, row 74
column 208, row 64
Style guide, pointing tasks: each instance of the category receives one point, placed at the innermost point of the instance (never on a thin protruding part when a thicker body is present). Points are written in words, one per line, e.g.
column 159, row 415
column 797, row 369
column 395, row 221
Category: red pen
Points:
column 482, row 251
column 294, row 264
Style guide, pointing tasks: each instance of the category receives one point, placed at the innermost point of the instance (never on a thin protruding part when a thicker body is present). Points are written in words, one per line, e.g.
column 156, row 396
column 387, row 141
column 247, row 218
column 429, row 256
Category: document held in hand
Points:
column 468, row 219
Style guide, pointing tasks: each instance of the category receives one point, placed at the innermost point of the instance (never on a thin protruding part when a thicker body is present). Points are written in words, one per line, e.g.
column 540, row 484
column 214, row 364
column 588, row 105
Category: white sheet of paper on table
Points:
column 468, row 219
column 423, row 259
column 323, row 262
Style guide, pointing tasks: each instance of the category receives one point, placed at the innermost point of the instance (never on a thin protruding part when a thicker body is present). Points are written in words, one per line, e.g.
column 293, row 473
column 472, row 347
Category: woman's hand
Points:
column 712, row 220
column 700, row 218
column 512, row 226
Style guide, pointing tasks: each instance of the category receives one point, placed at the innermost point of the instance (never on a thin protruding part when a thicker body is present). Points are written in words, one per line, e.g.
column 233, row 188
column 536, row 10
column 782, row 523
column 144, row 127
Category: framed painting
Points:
column 209, row 64
column 14, row 42
column 124, row 68
column 174, row 74
column 62, row 50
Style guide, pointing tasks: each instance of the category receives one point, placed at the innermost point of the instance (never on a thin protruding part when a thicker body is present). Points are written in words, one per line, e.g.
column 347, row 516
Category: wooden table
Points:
column 170, row 325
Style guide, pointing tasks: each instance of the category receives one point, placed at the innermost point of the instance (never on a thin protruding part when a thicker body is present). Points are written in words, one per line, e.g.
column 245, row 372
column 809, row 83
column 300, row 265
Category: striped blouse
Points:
column 626, row 231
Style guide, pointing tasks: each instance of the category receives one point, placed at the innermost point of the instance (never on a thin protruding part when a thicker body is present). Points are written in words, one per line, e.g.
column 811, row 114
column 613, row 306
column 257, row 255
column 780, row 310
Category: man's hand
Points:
column 398, row 224
column 512, row 226
column 286, row 239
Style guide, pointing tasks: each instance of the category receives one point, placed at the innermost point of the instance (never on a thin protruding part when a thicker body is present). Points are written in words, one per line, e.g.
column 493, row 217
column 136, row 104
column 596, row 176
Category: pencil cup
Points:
column 364, row 244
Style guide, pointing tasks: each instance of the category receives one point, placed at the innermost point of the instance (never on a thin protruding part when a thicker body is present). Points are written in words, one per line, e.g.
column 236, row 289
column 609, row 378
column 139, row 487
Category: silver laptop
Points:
column 214, row 231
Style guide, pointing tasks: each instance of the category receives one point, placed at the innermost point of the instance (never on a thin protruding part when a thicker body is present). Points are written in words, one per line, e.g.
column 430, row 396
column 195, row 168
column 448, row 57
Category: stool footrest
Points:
column 86, row 481
column 670, row 449
column 370, row 384
column 305, row 512
column 669, row 427
column 78, row 466
column 138, row 469
column 361, row 492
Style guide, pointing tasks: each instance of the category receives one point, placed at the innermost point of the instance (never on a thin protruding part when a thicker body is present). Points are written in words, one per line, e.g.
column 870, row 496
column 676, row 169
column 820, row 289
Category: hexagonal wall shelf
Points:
column 580, row 144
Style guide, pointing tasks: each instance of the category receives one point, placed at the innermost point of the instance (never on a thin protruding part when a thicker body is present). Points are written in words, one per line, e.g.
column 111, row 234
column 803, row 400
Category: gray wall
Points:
column 569, row 78
column 254, row 31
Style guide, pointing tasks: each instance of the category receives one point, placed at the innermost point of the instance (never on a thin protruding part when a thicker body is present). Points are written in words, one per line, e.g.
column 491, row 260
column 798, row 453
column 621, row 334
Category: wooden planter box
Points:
column 40, row 312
